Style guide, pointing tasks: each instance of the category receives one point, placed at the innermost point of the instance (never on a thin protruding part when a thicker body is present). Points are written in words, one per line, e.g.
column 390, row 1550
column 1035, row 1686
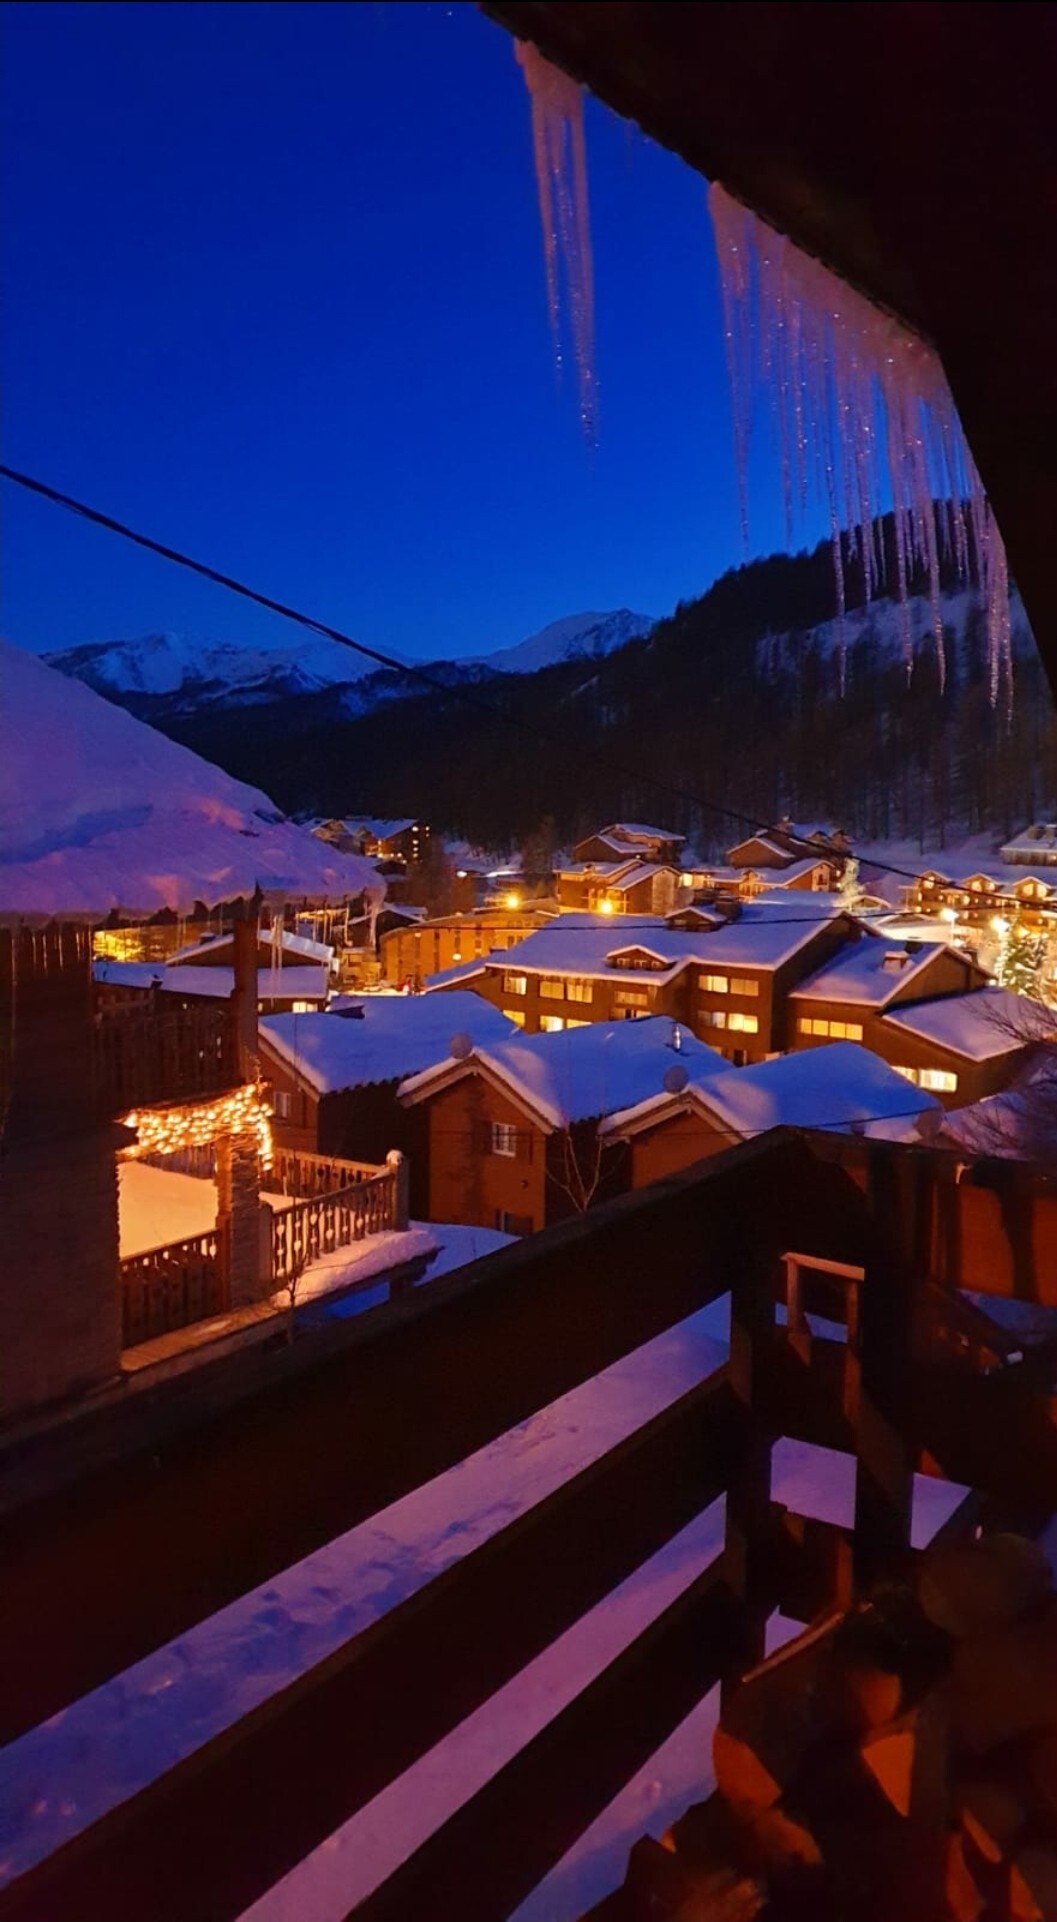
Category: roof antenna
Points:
column 676, row 1041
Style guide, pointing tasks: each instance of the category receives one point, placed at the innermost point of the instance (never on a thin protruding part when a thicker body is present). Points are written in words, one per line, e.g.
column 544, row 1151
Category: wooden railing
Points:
column 167, row 1288
column 331, row 1220
column 301, row 1175
column 146, row 1054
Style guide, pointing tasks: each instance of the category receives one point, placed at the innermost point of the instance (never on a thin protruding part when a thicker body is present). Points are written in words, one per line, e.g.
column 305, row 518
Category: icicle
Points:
column 862, row 413
column 277, row 953
column 561, row 182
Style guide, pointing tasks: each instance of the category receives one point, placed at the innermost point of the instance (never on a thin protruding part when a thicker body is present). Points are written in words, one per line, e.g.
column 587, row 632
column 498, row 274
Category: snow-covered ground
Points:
column 62, row 1776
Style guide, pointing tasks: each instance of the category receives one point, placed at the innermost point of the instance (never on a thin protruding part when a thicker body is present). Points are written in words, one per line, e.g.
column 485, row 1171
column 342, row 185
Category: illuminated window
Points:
column 833, row 1030
column 303, row 1007
column 937, row 1080
column 578, row 990
column 714, row 1017
column 743, row 1023
column 740, row 984
column 908, row 1074
column 282, row 1104
column 515, row 984
column 516, row 1015
column 578, row 1024
column 551, row 1024
column 631, row 998
column 713, row 983
column 504, row 1138
column 552, row 990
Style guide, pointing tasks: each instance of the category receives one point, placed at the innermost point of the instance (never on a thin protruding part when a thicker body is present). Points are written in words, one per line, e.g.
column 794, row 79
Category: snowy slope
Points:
column 879, row 625
column 100, row 812
column 577, row 637
column 188, row 673
column 162, row 676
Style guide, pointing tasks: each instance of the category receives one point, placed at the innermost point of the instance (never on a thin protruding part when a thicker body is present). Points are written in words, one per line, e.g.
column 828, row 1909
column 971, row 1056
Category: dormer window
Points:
column 638, row 958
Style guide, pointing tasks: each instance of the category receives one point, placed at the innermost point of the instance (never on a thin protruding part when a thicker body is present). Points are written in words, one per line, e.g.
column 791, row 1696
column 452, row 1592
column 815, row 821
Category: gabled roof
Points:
column 397, row 1035
column 604, row 870
column 1039, row 838
column 560, row 1079
column 831, row 1088
column 869, row 972
column 639, row 831
column 762, row 841
column 378, row 830
column 765, row 933
column 638, row 872
column 101, row 814
column 978, row 1026
column 280, row 984
column 299, row 944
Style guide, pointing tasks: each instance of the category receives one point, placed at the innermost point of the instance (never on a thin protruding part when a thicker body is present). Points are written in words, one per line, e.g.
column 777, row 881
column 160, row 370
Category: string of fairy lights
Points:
column 198, row 1124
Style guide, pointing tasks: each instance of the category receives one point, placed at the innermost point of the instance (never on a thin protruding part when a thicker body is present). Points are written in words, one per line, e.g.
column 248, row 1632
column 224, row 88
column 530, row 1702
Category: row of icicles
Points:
column 863, row 415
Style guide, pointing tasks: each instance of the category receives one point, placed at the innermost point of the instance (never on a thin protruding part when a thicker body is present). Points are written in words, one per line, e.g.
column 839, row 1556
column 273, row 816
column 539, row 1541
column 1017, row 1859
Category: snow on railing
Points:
column 326, row 1222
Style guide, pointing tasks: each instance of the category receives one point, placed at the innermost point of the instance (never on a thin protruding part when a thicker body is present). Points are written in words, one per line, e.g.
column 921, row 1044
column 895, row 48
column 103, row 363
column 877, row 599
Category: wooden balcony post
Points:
column 748, row 1530
column 884, row 1479
column 244, row 994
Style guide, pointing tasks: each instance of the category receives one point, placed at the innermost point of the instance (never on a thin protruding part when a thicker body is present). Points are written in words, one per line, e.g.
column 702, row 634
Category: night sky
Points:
column 274, row 293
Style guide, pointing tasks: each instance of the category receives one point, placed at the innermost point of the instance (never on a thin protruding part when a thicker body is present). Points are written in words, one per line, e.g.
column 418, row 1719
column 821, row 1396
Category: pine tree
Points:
column 1020, row 966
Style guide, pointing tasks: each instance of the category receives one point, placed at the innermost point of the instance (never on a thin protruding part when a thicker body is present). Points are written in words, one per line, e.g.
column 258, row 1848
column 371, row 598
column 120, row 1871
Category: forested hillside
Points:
column 733, row 701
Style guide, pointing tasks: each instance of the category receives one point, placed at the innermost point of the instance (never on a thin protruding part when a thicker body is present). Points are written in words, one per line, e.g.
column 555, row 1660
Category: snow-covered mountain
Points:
column 177, row 674
column 577, row 637
column 163, row 676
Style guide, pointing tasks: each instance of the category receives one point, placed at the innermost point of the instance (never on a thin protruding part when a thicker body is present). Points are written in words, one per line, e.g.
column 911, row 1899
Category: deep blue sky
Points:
column 274, row 293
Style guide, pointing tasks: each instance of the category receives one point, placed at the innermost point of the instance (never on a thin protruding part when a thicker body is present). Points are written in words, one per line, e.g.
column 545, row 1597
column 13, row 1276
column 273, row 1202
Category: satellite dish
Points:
column 929, row 1122
column 675, row 1080
column 461, row 1046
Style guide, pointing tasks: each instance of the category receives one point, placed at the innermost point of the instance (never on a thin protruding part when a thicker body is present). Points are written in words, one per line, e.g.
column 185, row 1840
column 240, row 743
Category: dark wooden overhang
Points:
column 913, row 148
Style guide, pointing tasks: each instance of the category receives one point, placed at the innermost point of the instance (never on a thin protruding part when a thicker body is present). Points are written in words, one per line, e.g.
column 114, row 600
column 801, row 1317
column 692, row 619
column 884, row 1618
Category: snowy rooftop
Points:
column 583, row 1072
column 378, row 830
column 979, row 1025
column 766, row 932
column 298, row 944
column 398, row 1035
column 1040, row 838
column 831, row 1087
column 869, row 972
column 273, row 984
column 639, row 831
column 604, row 869
column 100, row 813
column 639, row 871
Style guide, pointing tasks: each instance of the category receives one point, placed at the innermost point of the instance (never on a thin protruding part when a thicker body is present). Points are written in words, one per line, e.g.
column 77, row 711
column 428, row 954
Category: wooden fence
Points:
column 167, row 1288
column 329, row 1220
column 146, row 1054
column 300, row 1174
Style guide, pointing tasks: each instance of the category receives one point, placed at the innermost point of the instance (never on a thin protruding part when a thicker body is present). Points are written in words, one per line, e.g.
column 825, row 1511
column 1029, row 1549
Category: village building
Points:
column 630, row 841
column 925, row 1008
column 399, row 842
column 975, row 898
column 838, row 1087
column 294, row 974
column 808, row 855
column 415, row 949
column 616, row 887
column 726, row 976
column 1034, row 846
column 334, row 1076
column 513, row 1135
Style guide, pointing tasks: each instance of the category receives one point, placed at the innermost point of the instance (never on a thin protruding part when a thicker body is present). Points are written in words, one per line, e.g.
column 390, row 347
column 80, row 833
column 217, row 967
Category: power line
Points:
column 463, row 694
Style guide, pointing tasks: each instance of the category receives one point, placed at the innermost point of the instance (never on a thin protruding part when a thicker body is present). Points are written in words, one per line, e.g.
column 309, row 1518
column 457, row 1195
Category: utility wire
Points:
column 463, row 694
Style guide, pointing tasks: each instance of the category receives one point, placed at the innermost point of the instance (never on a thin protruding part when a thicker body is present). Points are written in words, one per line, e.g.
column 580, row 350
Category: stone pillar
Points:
column 238, row 1219
column 400, row 1170
column 60, row 1303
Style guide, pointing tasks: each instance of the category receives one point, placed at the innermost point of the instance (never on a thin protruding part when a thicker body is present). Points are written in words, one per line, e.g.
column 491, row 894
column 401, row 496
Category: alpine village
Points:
column 528, row 1340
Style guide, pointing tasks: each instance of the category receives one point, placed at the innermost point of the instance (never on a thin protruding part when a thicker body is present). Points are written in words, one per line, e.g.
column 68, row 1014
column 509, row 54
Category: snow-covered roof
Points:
column 765, row 933
column 809, row 830
column 292, row 944
column 762, row 841
column 602, row 870
column 463, row 971
column 799, row 868
column 979, row 1025
column 832, row 1087
column 100, row 813
column 640, row 871
column 1039, row 838
column 378, row 830
column 398, row 1035
column 640, row 831
column 273, row 984
column 583, row 1072
column 868, row 973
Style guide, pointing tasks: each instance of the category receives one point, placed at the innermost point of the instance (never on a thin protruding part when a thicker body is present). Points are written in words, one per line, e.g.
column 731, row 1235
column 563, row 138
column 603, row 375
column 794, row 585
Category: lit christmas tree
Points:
column 1020, row 958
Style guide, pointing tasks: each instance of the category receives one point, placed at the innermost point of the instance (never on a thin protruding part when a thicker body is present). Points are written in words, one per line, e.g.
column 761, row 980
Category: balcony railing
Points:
column 327, row 1221
column 168, row 1288
column 146, row 1054
column 301, row 1175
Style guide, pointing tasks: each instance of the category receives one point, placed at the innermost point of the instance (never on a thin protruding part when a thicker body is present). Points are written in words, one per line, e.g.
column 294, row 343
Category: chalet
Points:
column 976, row 897
column 919, row 1007
column 728, row 984
column 1034, row 846
column 816, row 853
column 401, row 841
column 292, row 990
column 631, row 841
column 334, row 1076
column 91, row 1079
column 415, row 949
column 615, row 887
column 838, row 1087
column 514, row 1139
